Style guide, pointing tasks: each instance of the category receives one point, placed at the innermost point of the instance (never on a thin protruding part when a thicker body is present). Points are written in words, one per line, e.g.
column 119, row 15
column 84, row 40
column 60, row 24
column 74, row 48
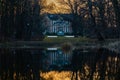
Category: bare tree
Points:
column 116, row 6
column 74, row 6
column 18, row 19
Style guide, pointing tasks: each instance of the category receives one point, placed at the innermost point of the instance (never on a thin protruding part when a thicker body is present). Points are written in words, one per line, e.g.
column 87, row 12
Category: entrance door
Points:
column 60, row 31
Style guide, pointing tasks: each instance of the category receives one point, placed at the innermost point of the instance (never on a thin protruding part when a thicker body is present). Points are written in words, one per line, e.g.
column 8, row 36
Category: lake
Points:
column 55, row 64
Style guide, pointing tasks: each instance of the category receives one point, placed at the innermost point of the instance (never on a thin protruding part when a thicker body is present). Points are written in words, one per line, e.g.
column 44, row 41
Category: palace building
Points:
column 60, row 24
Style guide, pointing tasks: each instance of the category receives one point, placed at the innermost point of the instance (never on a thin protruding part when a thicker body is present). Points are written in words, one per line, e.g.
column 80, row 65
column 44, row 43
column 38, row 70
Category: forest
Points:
column 26, row 53
column 23, row 19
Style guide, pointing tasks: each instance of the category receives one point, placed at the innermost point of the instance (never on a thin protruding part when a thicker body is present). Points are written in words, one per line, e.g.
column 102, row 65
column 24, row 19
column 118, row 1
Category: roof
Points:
column 66, row 17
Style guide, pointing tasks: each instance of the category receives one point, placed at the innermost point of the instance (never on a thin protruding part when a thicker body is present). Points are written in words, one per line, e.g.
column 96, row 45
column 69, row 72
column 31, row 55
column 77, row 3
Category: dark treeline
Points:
column 95, row 18
column 20, row 64
column 99, row 64
column 20, row 20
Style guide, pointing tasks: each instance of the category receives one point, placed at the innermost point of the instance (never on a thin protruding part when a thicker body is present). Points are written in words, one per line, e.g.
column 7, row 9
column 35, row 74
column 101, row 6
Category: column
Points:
column 65, row 28
column 52, row 26
column 55, row 28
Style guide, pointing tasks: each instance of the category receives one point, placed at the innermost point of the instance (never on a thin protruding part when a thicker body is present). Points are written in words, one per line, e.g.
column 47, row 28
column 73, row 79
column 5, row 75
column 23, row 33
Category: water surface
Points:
column 42, row 64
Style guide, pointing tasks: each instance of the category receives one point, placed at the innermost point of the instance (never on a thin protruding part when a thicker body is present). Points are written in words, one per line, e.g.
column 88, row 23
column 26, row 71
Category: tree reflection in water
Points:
column 100, row 64
column 28, row 64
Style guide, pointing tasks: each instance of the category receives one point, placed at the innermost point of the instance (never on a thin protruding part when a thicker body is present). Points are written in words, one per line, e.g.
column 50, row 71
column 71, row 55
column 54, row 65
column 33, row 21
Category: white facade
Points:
column 59, row 58
column 59, row 25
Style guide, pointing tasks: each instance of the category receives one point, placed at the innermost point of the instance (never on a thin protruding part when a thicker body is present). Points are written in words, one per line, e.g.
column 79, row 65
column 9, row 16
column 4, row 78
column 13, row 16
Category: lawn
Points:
column 66, row 39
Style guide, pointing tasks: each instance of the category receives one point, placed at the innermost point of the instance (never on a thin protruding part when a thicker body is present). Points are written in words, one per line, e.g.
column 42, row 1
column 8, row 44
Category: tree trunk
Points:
column 117, row 11
column 117, row 14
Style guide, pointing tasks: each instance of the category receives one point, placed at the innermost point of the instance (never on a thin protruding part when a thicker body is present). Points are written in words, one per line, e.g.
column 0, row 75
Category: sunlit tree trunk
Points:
column 101, row 11
column 3, row 20
column 1, row 11
column 38, row 29
column 117, row 11
column 116, row 6
column 93, row 22
column 7, row 20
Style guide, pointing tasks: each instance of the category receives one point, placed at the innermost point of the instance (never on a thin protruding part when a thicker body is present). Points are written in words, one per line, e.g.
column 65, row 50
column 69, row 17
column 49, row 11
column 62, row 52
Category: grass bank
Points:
column 66, row 39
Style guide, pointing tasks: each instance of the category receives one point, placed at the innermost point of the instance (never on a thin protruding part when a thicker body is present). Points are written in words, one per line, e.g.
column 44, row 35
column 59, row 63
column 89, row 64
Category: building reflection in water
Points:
column 46, row 64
